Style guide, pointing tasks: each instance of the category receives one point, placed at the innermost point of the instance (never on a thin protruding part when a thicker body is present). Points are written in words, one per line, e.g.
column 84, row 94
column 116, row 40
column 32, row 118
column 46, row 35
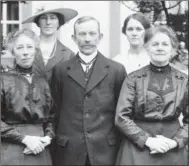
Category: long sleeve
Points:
column 48, row 125
column 8, row 133
column 120, row 76
column 124, row 112
column 181, row 135
column 55, row 91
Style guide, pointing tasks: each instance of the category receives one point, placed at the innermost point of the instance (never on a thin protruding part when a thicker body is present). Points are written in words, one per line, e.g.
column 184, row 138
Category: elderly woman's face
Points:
column 24, row 51
column 135, row 32
column 48, row 24
column 160, row 49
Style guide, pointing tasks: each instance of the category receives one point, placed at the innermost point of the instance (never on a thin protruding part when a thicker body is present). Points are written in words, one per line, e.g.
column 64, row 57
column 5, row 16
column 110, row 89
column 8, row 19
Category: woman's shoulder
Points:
column 10, row 78
column 140, row 72
column 179, row 73
column 9, row 73
column 68, row 53
column 179, row 68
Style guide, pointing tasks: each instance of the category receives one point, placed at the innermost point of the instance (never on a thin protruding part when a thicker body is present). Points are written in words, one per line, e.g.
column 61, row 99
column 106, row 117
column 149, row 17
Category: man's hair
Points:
column 85, row 19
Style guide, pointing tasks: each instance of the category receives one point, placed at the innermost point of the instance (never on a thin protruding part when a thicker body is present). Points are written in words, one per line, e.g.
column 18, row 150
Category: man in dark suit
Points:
column 85, row 90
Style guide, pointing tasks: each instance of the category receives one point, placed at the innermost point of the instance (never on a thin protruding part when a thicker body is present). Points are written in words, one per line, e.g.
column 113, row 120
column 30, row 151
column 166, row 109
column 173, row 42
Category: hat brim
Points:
column 67, row 13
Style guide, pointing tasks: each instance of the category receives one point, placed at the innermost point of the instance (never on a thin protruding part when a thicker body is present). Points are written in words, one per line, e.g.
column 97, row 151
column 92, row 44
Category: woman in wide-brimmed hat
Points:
column 53, row 51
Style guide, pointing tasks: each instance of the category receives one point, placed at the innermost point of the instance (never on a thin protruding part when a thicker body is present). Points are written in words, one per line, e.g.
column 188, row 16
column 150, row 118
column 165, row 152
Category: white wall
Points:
column 124, row 12
column 97, row 9
column 102, row 10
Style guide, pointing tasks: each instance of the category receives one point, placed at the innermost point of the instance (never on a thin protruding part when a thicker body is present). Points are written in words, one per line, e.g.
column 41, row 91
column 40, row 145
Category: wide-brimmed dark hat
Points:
column 64, row 15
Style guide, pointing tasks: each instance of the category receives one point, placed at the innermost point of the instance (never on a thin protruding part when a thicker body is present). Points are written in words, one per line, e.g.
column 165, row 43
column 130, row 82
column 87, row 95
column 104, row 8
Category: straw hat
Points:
column 64, row 15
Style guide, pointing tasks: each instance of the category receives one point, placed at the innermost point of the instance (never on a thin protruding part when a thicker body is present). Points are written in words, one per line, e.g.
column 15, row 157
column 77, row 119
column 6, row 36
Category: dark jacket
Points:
column 85, row 112
column 139, row 102
column 23, row 103
column 62, row 53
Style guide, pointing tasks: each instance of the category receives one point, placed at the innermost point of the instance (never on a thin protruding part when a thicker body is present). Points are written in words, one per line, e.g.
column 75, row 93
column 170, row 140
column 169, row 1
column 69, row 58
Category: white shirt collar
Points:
column 88, row 58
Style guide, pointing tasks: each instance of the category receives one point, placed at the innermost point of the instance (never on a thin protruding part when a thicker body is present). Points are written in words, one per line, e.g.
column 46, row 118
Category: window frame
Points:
column 6, row 22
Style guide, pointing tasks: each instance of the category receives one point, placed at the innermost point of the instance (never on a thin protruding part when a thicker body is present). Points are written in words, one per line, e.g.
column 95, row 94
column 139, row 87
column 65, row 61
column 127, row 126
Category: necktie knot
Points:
column 88, row 64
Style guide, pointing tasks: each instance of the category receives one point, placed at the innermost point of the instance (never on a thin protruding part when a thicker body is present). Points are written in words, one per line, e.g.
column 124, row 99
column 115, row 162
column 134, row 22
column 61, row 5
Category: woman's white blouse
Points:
column 132, row 62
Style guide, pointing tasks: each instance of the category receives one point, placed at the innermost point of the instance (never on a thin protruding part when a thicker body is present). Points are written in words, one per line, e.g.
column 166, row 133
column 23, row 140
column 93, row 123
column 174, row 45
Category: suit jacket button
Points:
column 87, row 95
column 86, row 134
column 86, row 114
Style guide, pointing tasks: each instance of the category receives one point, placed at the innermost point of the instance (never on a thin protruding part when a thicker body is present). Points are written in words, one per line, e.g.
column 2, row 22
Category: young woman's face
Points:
column 48, row 24
column 135, row 33
column 160, row 49
column 24, row 51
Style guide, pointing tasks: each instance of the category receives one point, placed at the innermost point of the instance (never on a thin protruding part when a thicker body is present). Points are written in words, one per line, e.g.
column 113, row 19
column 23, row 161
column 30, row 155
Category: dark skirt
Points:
column 12, row 153
column 131, row 154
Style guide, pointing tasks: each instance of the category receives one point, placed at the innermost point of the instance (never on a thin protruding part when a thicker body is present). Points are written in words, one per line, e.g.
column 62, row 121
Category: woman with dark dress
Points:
column 150, row 102
column 26, row 127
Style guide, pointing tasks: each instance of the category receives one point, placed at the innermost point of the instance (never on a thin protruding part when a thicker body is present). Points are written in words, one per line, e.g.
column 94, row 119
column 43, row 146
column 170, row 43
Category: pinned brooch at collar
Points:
column 159, row 69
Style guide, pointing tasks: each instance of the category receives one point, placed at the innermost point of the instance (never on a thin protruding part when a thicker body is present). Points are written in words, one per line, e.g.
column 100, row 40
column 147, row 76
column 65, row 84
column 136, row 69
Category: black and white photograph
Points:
column 94, row 83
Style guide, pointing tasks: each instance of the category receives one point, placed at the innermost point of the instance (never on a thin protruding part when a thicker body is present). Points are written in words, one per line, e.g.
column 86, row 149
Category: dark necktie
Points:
column 87, row 64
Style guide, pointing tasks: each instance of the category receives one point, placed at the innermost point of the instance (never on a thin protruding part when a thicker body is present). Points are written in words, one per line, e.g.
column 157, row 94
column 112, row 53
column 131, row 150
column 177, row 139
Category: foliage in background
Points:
column 154, row 9
column 158, row 13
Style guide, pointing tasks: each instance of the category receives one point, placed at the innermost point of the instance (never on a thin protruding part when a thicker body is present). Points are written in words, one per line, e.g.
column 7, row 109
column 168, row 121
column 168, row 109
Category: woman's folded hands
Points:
column 35, row 144
column 160, row 144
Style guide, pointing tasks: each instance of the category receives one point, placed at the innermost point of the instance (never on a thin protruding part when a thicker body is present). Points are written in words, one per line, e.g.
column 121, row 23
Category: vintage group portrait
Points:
column 94, row 83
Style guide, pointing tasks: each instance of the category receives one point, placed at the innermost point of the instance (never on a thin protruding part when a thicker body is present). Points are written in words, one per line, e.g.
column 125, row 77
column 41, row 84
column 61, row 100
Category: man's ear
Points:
column 73, row 38
column 101, row 36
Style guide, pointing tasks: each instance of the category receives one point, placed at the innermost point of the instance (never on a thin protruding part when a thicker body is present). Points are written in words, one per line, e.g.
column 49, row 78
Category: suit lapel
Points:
column 75, row 71
column 99, row 72
column 59, row 55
